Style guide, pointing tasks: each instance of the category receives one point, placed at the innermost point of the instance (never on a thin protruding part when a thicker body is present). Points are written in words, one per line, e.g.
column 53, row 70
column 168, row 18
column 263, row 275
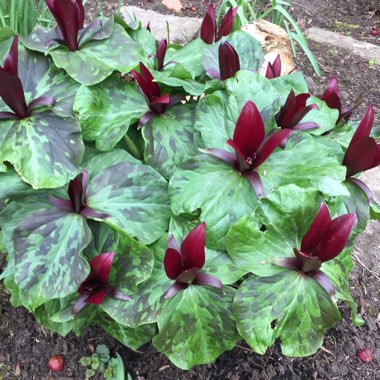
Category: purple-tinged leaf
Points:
column 193, row 248
column 146, row 119
column 269, row 144
column 305, row 126
column 229, row 63
column 208, row 27
column 172, row 263
column 175, row 288
column 365, row 126
column 324, row 281
column 285, row 262
column 8, row 115
column 274, row 69
column 63, row 204
column 88, row 212
column 255, row 181
column 317, row 229
column 42, row 101
column 227, row 23
column 223, row 155
column 113, row 293
column 208, row 280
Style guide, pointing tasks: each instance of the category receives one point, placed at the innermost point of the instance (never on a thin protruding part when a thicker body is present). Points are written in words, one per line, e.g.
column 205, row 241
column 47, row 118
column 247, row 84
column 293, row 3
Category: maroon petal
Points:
column 284, row 116
column 193, row 248
column 229, row 63
column 75, row 192
column 317, row 229
column 336, row 237
column 360, row 156
column 101, row 266
column 255, row 181
column 269, row 144
column 324, row 281
column 223, row 155
column 145, row 80
column 306, row 262
column 11, row 61
column 227, row 23
column 365, row 126
column 250, row 130
column 174, row 289
column 172, row 263
column 8, row 115
column 161, row 52
column 208, row 28
column 63, row 204
column 81, row 15
column 97, row 297
column 331, row 88
column 239, row 154
column 187, row 276
column 286, row 262
column 274, row 69
column 146, row 118
column 207, row 280
column 12, row 92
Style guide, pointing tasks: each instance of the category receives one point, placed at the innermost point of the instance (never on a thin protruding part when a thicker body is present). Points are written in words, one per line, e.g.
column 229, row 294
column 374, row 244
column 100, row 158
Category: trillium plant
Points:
column 188, row 196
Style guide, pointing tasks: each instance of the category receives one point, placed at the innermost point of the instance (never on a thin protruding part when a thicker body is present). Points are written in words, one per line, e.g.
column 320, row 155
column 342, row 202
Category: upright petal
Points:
column 227, row 23
column 284, row 116
column 101, row 266
column 208, row 28
column 274, row 69
column 269, row 144
column 11, row 61
column 331, row 88
column 97, row 297
column 229, row 63
column 81, row 14
column 172, row 263
column 336, row 237
column 317, row 230
column 365, row 126
column 250, row 130
column 12, row 92
column 75, row 192
column 160, row 55
column 145, row 80
column 193, row 248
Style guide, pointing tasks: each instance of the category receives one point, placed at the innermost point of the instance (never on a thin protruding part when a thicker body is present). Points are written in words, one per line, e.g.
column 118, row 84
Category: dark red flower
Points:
column 209, row 31
column 251, row 145
column 95, row 287
column 274, row 69
column 11, row 90
column 332, row 98
column 229, row 63
column 77, row 192
column 69, row 15
column 184, row 265
column 293, row 111
column 160, row 55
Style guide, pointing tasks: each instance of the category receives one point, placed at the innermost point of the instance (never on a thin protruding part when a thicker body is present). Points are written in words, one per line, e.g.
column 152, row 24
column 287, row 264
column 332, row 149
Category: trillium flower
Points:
column 274, row 69
column 363, row 153
column 293, row 111
column 11, row 90
column 160, row 55
column 184, row 265
column 69, row 15
column 324, row 240
column 77, row 192
column 229, row 63
column 209, row 30
column 332, row 98
column 95, row 287
column 157, row 102
column 251, row 146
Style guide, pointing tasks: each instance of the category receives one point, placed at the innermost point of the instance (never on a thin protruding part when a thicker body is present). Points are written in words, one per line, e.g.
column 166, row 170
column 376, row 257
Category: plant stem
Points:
column 132, row 148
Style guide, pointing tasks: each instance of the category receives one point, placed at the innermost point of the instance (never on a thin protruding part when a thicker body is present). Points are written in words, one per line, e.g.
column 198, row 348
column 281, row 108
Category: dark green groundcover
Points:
column 110, row 171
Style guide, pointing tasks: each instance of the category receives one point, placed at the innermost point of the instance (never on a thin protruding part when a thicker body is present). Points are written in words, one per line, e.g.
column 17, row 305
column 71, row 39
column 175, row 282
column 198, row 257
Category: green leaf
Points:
column 95, row 61
column 196, row 326
column 105, row 111
column 274, row 229
column 285, row 83
column 169, row 138
column 213, row 186
column 12, row 186
column 287, row 306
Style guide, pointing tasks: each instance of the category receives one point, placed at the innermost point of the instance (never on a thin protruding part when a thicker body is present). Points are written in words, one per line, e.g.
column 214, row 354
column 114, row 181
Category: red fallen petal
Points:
column 255, row 181
column 97, row 297
column 360, row 156
column 193, row 248
column 208, row 29
column 317, row 229
column 56, row 363
column 324, row 281
column 161, row 52
column 274, row 69
column 336, row 237
column 207, row 280
column 101, row 266
column 11, row 61
column 365, row 355
column 227, row 23
column 365, row 126
column 374, row 31
column 12, row 92
column 174, row 289
column 269, row 144
column 172, row 263
column 223, row 155
column 250, row 130
column 187, row 276
column 229, row 63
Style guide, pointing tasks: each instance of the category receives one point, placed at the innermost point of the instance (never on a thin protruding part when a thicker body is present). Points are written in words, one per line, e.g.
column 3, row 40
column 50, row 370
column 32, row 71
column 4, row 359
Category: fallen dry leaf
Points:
column 18, row 369
column 175, row 5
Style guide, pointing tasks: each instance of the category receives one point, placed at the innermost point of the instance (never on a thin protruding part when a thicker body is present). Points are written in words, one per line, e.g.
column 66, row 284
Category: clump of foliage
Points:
column 172, row 193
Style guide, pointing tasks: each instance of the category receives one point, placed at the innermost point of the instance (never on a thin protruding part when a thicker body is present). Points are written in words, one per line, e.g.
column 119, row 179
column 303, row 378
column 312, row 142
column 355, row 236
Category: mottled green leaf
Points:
column 12, row 186
column 169, row 138
column 287, row 306
column 105, row 111
column 285, row 83
column 196, row 326
column 217, row 189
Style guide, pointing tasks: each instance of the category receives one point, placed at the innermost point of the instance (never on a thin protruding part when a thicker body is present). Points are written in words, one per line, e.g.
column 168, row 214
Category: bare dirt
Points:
column 25, row 347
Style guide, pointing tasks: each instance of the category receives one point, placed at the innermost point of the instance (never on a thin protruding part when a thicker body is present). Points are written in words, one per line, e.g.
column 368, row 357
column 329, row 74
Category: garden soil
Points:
column 25, row 347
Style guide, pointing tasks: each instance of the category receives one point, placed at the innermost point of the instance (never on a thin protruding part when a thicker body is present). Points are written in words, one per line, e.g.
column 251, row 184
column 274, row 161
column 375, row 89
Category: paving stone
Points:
column 364, row 49
column 182, row 29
